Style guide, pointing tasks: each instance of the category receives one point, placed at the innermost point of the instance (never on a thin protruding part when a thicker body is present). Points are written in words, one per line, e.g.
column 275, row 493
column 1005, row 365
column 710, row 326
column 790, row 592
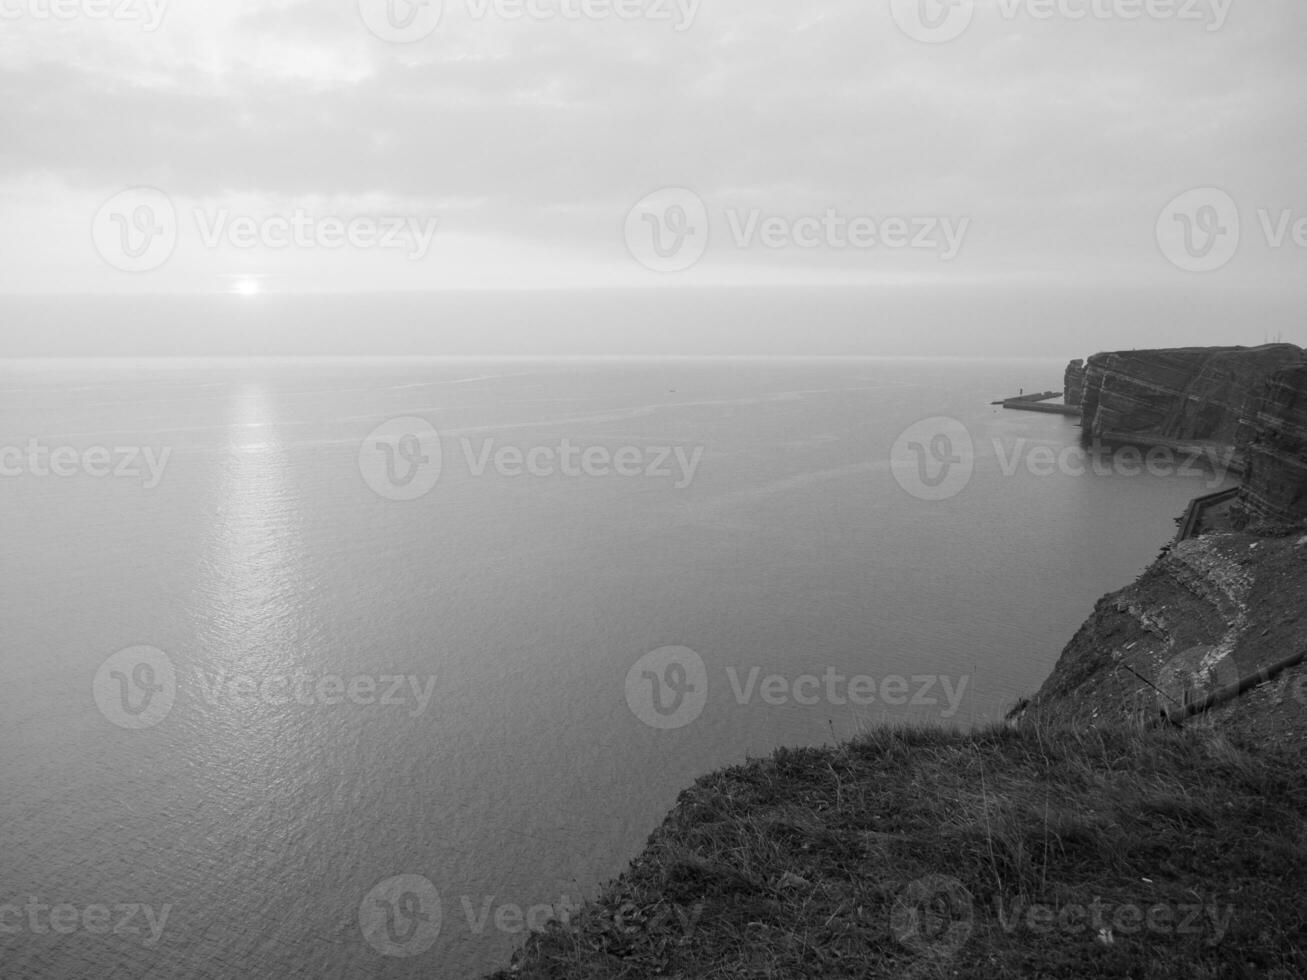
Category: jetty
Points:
column 1041, row 402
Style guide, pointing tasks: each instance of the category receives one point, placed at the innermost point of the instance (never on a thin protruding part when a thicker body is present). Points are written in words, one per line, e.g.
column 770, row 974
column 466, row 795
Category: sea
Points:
column 342, row 668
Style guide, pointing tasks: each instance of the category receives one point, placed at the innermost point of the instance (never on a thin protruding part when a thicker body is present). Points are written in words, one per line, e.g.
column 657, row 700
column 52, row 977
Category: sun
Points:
column 245, row 287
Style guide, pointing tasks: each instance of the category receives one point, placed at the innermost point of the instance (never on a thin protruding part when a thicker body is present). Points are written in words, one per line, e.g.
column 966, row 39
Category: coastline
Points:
column 920, row 852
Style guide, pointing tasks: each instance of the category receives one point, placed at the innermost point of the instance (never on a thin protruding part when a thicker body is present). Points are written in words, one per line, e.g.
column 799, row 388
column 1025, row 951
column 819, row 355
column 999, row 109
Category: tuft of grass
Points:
column 916, row 852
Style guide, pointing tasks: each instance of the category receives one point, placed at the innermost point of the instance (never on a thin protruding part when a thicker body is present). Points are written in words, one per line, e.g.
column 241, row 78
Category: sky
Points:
column 903, row 147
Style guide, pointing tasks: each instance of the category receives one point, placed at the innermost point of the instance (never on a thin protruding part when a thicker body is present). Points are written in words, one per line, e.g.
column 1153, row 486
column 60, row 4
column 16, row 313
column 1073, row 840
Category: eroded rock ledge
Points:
column 1208, row 612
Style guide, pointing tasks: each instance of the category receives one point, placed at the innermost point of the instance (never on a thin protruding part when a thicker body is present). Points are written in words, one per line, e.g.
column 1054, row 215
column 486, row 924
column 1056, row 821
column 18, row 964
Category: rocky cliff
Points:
column 1073, row 384
column 1275, row 483
column 769, row 864
column 1250, row 401
column 1208, row 612
column 1202, row 395
column 1220, row 607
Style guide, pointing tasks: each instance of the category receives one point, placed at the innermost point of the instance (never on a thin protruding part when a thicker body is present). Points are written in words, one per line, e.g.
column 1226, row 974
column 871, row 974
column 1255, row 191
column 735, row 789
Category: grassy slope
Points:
column 802, row 865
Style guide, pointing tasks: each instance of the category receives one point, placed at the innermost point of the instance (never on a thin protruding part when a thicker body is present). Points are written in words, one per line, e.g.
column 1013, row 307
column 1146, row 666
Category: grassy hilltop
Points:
column 1024, row 851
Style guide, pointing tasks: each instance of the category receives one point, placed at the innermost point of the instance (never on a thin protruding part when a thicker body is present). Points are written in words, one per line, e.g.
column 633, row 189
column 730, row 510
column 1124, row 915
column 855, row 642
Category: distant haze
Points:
column 861, row 180
column 783, row 321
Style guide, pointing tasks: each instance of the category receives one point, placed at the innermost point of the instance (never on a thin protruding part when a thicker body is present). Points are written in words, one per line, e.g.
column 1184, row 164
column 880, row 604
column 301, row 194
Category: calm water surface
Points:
column 510, row 769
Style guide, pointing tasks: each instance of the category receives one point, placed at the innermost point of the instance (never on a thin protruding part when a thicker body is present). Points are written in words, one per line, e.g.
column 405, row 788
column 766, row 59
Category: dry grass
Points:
column 802, row 865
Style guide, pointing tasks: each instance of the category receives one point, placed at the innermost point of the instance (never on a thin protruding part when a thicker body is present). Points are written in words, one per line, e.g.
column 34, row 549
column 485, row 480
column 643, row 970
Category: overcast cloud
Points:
column 1045, row 141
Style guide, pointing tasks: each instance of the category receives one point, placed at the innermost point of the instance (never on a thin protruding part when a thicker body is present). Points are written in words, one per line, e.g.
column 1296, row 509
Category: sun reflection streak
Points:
column 253, row 564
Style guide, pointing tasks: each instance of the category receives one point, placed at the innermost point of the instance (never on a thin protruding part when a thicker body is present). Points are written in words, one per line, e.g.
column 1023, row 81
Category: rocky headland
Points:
column 1244, row 400
column 1105, row 830
column 1220, row 608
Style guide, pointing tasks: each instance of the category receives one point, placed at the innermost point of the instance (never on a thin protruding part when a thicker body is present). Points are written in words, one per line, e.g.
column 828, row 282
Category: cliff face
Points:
column 1275, row 482
column 1219, row 607
column 1208, row 612
column 1186, row 394
column 1251, row 400
column 1073, row 385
